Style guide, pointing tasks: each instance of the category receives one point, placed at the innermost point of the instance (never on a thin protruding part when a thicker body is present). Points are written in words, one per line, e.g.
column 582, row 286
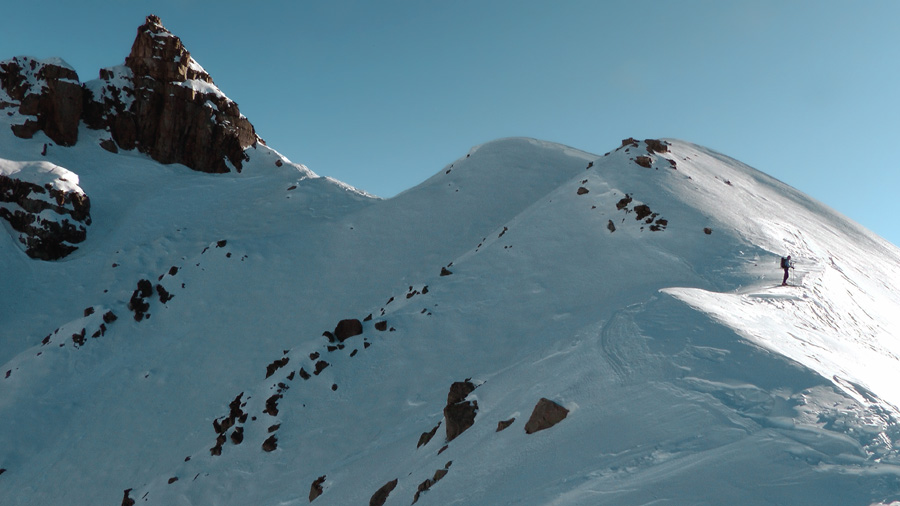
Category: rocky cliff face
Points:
column 160, row 102
column 163, row 103
column 46, row 93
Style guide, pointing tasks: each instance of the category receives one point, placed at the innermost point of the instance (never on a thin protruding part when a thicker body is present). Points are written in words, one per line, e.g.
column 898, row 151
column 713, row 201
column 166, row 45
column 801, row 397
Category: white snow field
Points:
column 689, row 374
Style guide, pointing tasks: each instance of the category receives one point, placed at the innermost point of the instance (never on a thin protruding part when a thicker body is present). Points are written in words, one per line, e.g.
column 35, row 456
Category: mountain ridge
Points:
column 269, row 336
column 487, row 326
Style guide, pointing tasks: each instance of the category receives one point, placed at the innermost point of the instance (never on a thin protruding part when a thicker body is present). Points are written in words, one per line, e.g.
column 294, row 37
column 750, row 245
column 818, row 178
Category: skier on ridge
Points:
column 786, row 264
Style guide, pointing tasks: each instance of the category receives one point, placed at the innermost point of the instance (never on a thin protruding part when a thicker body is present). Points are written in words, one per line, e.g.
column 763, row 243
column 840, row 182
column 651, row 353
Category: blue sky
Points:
column 383, row 94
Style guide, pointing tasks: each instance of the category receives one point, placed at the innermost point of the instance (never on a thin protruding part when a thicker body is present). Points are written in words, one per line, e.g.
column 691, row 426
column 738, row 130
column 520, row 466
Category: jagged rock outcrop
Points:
column 43, row 203
column 47, row 92
column 316, row 489
column 459, row 413
column 656, row 146
column 426, row 436
column 428, row 483
column 127, row 501
column 163, row 103
column 380, row 496
column 504, row 424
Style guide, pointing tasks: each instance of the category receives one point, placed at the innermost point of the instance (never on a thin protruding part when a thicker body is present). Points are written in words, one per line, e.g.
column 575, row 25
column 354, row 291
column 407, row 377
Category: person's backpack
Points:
column 785, row 263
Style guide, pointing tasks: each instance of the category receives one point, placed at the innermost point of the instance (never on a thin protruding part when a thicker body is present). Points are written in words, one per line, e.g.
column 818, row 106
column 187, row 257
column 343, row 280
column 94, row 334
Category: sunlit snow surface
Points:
column 691, row 376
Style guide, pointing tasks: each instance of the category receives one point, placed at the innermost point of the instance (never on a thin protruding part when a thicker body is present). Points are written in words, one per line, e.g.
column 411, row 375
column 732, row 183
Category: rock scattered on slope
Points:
column 270, row 444
column 137, row 304
column 347, row 328
column 316, row 489
column 656, row 146
column 459, row 413
column 277, row 364
column 644, row 161
column 127, row 501
column 164, row 295
column 546, row 414
column 426, row 436
column 381, row 495
column 428, row 483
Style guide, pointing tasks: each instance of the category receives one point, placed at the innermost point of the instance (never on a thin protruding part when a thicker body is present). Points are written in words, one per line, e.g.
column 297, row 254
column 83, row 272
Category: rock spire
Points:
column 165, row 104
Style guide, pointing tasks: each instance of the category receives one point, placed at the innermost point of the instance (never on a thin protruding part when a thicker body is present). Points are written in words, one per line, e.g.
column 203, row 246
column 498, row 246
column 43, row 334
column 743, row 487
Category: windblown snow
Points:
column 639, row 290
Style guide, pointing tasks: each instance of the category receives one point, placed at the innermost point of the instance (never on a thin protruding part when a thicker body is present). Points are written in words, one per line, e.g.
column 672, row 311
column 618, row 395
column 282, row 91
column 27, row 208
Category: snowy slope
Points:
column 689, row 376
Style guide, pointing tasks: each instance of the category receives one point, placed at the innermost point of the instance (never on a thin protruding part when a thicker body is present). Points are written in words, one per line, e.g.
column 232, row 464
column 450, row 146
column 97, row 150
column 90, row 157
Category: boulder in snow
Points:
column 459, row 413
column 347, row 328
column 546, row 414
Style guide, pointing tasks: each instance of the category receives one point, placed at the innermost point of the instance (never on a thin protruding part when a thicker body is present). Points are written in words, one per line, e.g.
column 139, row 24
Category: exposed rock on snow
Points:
column 673, row 404
column 644, row 161
column 137, row 303
column 546, row 414
column 272, row 404
column 320, row 366
column 277, row 364
column 164, row 295
column 109, row 145
column 164, row 104
column 315, row 490
column 45, row 205
column 656, row 146
column 381, row 495
column 504, row 424
column 47, row 93
column 427, row 484
column 346, row 329
column 459, row 413
column 270, row 444
column 426, row 436
column 126, row 500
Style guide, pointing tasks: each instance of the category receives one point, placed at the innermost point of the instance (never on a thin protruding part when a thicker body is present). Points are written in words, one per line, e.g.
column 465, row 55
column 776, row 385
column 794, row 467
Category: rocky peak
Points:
column 158, row 54
column 160, row 102
column 164, row 104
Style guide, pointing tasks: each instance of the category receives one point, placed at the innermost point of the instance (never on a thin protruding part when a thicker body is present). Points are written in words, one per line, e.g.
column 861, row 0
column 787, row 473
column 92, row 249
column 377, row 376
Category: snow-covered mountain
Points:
column 534, row 324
